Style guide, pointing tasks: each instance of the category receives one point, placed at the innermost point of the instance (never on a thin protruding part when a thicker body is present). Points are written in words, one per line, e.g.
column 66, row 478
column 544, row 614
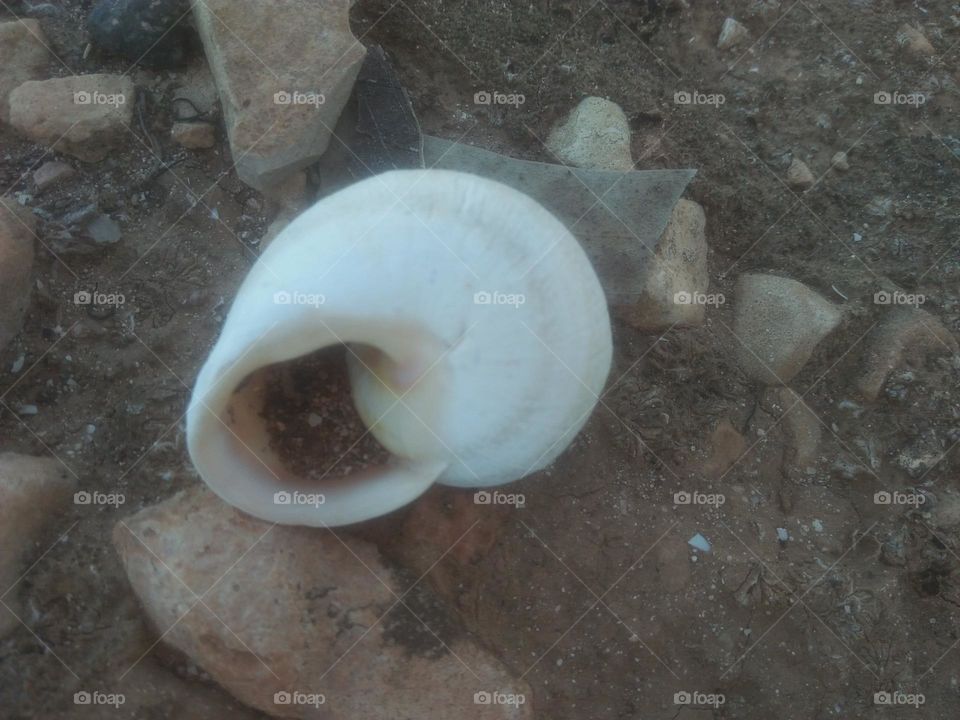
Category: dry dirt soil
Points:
column 812, row 597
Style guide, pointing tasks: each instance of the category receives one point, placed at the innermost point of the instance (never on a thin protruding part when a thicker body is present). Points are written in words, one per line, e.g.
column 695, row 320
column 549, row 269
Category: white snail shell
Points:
column 478, row 336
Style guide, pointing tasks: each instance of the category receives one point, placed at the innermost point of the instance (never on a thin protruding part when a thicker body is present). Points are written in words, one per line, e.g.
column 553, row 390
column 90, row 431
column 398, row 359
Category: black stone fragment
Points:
column 153, row 33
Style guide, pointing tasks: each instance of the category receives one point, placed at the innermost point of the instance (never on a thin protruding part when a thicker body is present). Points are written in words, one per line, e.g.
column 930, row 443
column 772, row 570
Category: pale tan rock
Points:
column 778, row 322
column 799, row 175
column 732, row 33
column 82, row 115
column 16, row 265
column 915, row 41
column 32, row 491
column 23, row 56
column 303, row 611
column 194, row 135
column 272, row 62
column 840, row 161
column 675, row 279
column 903, row 333
column 595, row 135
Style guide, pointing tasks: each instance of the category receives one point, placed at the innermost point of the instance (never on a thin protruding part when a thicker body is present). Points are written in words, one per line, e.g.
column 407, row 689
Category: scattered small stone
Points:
column 699, row 542
column 194, row 135
column 595, row 135
column 23, row 56
column 194, row 94
column 779, row 322
column 893, row 551
column 304, row 612
column 732, row 33
column 155, row 33
column 841, row 162
column 675, row 279
column 799, row 175
column 104, row 230
column 16, row 264
column 50, row 173
column 32, row 490
column 915, row 41
column 280, row 125
column 82, row 115
column 905, row 331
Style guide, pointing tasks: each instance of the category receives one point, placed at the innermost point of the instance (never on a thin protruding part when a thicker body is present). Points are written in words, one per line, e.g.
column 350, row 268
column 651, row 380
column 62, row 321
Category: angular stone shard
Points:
column 284, row 72
column 674, row 281
column 905, row 332
column 779, row 322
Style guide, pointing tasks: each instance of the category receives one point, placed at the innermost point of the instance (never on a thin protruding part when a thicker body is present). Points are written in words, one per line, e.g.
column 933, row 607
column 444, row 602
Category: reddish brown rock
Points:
column 301, row 622
column 32, row 491
column 727, row 446
column 446, row 533
column 16, row 264
column 194, row 135
column 903, row 334
column 801, row 428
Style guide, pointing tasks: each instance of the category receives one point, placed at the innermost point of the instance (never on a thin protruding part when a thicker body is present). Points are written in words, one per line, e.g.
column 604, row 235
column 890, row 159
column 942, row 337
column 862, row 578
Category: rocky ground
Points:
column 762, row 516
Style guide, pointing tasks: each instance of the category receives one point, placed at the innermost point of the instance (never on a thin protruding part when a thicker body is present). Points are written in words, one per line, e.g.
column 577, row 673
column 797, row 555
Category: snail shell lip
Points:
column 478, row 334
